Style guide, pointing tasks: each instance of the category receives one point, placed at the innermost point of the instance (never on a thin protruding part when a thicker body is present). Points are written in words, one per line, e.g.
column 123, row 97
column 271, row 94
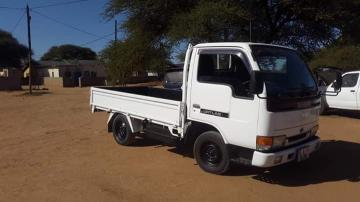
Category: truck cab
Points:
column 250, row 103
column 272, row 126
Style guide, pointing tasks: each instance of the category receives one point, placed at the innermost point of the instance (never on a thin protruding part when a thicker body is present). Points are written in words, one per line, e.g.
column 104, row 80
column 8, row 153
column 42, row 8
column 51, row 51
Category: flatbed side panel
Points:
column 162, row 110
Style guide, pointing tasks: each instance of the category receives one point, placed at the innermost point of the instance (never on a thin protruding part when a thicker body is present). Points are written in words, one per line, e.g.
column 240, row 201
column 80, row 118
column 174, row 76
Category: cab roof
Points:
column 238, row 44
column 352, row 72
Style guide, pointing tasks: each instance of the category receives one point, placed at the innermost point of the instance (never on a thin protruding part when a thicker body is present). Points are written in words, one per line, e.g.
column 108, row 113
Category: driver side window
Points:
column 226, row 69
column 350, row 80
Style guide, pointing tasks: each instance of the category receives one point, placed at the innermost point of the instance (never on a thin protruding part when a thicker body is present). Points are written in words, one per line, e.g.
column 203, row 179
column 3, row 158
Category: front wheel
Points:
column 211, row 154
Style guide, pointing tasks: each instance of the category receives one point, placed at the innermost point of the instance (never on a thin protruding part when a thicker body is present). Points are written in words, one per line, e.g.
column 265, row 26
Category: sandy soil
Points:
column 53, row 149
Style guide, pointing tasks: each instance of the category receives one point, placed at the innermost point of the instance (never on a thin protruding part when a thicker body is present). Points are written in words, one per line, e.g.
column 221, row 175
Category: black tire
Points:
column 211, row 154
column 122, row 131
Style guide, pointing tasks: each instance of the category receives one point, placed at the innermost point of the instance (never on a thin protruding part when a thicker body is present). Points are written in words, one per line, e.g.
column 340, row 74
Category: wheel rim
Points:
column 121, row 130
column 210, row 153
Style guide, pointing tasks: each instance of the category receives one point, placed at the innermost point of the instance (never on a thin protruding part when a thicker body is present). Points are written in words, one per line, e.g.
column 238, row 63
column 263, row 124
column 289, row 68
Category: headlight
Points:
column 264, row 143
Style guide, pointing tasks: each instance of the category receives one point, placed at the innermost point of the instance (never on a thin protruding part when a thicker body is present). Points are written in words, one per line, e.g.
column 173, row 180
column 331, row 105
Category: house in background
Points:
column 35, row 79
column 72, row 73
column 10, row 78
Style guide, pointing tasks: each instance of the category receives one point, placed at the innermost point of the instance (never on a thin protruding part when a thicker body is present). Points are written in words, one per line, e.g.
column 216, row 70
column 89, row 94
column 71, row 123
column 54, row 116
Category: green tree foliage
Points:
column 165, row 25
column 11, row 52
column 347, row 20
column 344, row 57
column 146, row 46
column 211, row 21
column 305, row 25
column 113, row 57
column 123, row 58
column 69, row 52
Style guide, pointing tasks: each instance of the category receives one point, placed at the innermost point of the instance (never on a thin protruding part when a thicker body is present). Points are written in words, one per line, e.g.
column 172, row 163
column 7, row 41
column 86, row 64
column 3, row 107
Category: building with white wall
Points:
column 70, row 71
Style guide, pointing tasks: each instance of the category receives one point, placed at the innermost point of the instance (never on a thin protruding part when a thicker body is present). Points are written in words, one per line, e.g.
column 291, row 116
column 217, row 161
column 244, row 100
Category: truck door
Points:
column 348, row 96
column 220, row 94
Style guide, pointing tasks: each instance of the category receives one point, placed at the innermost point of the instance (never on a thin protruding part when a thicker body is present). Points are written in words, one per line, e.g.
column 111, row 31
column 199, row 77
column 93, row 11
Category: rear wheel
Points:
column 122, row 132
column 211, row 154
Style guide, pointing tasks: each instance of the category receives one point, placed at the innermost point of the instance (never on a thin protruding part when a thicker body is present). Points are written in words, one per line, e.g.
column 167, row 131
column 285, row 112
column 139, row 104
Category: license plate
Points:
column 303, row 154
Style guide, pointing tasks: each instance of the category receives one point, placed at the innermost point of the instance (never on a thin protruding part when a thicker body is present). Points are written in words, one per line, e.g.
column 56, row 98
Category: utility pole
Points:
column 250, row 29
column 116, row 31
column 116, row 28
column 29, row 42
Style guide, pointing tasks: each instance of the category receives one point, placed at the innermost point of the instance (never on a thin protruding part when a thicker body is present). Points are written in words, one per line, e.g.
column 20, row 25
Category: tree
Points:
column 111, row 56
column 123, row 58
column 146, row 28
column 306, row 25
column 211, row 21
column 347, row 20
column 12, row 53
column 69, row 52
column 344, row 57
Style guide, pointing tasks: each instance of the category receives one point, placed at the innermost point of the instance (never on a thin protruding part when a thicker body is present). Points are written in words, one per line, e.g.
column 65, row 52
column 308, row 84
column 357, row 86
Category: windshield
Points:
column 285, row 73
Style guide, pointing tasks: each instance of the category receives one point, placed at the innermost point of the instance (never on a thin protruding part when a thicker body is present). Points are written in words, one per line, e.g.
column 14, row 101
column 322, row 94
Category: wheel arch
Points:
column 111, row 119
column 196, row 128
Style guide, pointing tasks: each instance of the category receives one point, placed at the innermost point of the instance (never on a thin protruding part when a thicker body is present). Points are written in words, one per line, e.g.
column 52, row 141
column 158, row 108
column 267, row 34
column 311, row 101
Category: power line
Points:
column 59, row 4
column 12, row 8
column 95, row 40
column 59, row 22
column 64, row 24
column 18, row 22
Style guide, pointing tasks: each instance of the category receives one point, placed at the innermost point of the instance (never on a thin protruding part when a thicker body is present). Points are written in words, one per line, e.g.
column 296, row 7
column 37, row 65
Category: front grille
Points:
column 288, row 104
column 296, row 137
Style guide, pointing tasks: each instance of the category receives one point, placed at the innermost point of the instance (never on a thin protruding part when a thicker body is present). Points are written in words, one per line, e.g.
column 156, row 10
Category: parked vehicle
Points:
column 255, row 104
column 349, row 96
column 173, row 78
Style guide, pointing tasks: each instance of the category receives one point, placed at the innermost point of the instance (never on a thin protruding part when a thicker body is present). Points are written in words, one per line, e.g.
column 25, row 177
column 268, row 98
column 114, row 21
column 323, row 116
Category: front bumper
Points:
column 266, row 160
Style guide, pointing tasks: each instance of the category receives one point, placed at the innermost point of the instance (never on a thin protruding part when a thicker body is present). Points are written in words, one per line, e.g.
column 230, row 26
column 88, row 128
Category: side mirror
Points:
column 338, row 82
column 332, row 77
column 256, row 82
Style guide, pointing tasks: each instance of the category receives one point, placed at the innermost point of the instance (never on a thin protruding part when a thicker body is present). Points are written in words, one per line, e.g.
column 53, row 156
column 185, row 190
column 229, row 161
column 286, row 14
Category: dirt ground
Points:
column 53, row 149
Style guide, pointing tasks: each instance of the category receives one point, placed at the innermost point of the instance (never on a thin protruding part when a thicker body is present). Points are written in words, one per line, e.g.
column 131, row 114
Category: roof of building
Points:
column 52, row 63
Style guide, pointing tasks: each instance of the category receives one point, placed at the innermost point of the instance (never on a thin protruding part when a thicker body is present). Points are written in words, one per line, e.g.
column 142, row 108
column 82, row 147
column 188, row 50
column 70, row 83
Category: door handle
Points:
column 197, row 106
column 353, row 91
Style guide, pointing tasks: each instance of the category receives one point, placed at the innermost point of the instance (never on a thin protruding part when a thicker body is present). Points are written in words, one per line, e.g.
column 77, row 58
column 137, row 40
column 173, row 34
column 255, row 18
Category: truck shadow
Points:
column 335, row 161
column 344, row 113
column 147, row 142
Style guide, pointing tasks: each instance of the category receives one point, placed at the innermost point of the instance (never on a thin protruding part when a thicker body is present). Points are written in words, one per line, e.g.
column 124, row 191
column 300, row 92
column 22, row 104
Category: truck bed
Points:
column 156, row 104
column 148, row 91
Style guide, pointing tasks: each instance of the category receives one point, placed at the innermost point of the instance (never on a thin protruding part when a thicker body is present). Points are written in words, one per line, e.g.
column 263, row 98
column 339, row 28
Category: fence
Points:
column 10, row 83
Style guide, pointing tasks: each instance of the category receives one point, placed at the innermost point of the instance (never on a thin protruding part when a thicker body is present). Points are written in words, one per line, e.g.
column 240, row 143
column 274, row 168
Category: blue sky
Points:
column 85, row 16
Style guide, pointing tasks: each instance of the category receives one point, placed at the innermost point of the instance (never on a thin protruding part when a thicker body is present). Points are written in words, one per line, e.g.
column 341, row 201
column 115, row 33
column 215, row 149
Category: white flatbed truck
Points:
column 255, row 104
